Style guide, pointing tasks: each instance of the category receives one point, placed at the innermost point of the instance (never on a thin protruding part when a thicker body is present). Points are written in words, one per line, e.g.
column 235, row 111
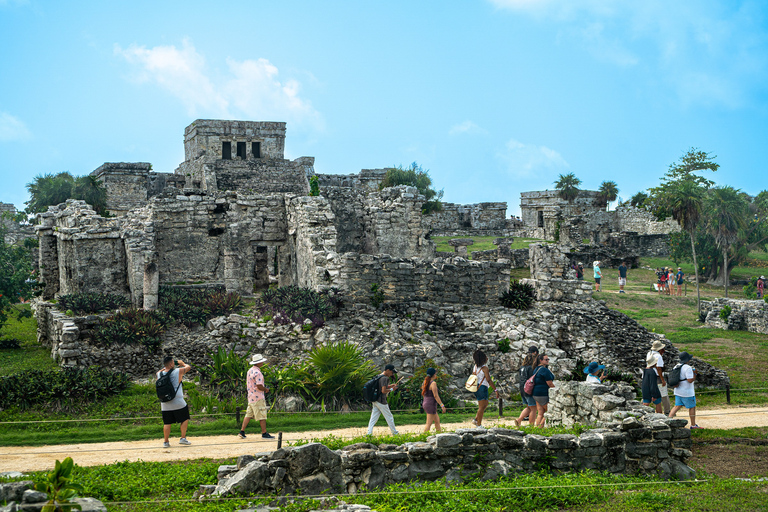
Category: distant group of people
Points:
column 667, row 281
column 654, row 385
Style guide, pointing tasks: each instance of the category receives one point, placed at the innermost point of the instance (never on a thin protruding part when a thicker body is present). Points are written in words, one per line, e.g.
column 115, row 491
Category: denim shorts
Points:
column 689, row 402
column 529, row 401
column 655, row 401
column 481, row 393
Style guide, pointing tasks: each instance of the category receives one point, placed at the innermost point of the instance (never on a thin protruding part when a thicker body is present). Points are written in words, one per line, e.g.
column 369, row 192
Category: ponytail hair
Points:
column 480, row 358
column 425, row 385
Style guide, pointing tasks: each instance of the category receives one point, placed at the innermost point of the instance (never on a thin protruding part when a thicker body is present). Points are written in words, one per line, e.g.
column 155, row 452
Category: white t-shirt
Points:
column 659, row 359
column 178, row 401
column 592, row 379
column 685, row 388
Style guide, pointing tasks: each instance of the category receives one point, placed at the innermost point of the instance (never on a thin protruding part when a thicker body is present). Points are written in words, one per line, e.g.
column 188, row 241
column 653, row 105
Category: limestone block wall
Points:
column 15, row 232
column 642, row 222
column 127, row 184
column 366, row 180
column 352, row 218
column 489, row 218
column 261, row 176
column 312, row 238
column 574, row 402
column 449, row 281
column 746, row 315
column 648, row 446
column 204, row 137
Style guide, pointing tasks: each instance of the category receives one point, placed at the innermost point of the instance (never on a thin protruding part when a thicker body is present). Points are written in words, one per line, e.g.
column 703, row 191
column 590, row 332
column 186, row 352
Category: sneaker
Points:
column 266, row 435
column 183, row 440
column 241, row 435
column 474, row 421
column 695, row 426
column 166, row 444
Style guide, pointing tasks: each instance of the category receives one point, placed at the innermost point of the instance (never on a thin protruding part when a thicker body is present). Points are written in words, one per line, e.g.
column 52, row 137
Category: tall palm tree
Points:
column 727, row 212
column 608, row 192
column 684, row 200
column 568, row 186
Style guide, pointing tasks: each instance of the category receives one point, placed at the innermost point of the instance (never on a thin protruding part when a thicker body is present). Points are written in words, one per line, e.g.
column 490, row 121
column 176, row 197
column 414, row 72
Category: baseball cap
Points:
column 390, row 367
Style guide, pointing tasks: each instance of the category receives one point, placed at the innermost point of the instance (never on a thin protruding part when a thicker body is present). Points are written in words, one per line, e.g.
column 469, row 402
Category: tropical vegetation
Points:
column 415, row 176
column 567, row 186
column 52, row 189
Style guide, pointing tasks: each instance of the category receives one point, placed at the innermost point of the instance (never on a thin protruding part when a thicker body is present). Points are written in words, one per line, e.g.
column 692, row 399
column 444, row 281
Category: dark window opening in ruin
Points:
column 256, row 149
column 221, row 208
column 241, row 150
column 226, row 151
column 541, row 219
column 215, row 231
column 261, row 249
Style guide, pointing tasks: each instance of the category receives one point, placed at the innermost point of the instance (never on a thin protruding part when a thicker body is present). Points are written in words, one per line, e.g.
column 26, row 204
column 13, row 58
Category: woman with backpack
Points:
column 543, row 379
column 526, row 371
column 431, row 400
column 483, row 382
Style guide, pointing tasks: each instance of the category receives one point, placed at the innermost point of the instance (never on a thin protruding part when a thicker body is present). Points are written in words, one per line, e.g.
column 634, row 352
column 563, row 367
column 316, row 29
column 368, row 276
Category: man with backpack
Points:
column 171, row 393
column 379, row 405
column 681, row 378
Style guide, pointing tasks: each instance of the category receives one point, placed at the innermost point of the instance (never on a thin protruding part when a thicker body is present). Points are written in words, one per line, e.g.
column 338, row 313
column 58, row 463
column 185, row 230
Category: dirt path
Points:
column 218, row 447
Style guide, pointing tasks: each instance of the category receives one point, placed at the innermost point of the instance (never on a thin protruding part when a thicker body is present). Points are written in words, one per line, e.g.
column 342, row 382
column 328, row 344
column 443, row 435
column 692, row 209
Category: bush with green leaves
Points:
column 503, row 345
column 15, row 280
column 191, row 306
column 750, row 289
column 60, row 389
column 293, row 304
column 88, row 303
column 226, row 373
column 131, row 327
column 519, row 296
column 725, row 313
column 314, row 186
column 339, row 371
column 60, row 488
column 409, row 396
column 377, row 295
column 415, row 176
column 9, row 343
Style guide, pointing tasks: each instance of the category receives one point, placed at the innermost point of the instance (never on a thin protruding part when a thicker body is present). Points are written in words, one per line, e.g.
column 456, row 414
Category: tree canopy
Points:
column 15, row 272
column 568, row 186
column 415, row 176
column 607, row 192
column 51, row 189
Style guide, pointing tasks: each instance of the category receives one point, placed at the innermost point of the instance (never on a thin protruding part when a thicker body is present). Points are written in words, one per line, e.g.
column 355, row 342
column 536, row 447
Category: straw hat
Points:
column 651, row 360
column 258, row 358
column 657, row 345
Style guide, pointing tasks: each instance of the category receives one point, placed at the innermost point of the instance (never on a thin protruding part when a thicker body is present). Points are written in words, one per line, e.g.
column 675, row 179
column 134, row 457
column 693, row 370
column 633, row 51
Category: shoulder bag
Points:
column 471, row 384
column 529, row 385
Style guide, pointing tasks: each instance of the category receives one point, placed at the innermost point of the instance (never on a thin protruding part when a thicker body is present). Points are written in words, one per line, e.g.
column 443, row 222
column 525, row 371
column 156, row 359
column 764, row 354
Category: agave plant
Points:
column 519, row 296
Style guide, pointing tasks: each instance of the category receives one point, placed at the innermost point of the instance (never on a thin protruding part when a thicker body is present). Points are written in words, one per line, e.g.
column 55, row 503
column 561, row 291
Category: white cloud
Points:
column 465, row 127
column 251, row 89
column 12, row 128
column 528, row 159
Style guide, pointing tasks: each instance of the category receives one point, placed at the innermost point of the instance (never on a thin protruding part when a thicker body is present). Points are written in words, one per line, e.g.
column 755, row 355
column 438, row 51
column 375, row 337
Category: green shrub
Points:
column 519, row 296
column 339, row 371
column 196, row 305
column 9, row 343
column 90, row 303
column 132, row 326
column 292, row 304
column 409, row 393
column 377, row 296
column 226, row 373
column 65, row 387
column 725, row 313
column 504, row 345
column 314, row 186
column 750, row 289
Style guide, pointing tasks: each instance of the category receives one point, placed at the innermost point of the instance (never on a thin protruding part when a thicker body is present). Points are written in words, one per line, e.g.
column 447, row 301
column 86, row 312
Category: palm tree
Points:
column 608, row 192
column 568, row 186
column 638, row 200
column 727, row 213
column 51, row 189
column 684, row 200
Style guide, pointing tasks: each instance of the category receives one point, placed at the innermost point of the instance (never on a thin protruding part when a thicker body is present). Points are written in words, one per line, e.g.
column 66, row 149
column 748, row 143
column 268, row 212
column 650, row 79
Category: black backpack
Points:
column 165, row 389
column 674, row 376
column 372, row 390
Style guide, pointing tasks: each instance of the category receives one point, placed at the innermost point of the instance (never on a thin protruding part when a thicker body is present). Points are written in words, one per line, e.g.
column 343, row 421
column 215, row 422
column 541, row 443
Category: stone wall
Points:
column 203, row 138
column 15, row 232
column 454, row 281
column 126, row 184
column 650, row 445
column 313, row 243
column 481, row 219
column 263, row 176
column 642, row 222
column 746, row 315
column 552, row 276
column 366, row 180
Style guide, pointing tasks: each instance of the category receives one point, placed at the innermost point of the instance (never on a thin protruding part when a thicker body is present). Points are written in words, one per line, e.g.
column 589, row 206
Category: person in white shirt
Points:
column 685, row 396
column 594, row 372
column 657, row 349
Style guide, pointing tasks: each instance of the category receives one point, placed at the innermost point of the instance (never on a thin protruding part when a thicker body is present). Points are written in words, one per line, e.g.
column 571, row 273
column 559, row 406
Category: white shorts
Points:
column 622, row 281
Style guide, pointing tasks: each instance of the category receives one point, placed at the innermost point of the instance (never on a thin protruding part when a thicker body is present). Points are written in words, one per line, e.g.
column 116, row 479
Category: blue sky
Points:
column 494, row 97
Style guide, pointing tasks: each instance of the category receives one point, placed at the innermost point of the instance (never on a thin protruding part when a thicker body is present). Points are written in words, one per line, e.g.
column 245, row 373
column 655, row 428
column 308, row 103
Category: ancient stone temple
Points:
column 236, row 211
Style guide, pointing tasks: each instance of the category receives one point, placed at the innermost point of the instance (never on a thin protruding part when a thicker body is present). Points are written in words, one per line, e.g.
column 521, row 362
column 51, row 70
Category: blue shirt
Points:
column 540, row 387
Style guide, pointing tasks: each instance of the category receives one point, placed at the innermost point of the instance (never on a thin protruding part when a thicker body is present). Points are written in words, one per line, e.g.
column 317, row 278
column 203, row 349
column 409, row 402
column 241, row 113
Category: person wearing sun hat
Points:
column 657, row 349
column 685, row 395
column 592, row 370
column 597, row 274
column 650, row 390
column 679, row 281
column 257, row 403
column 761, row 287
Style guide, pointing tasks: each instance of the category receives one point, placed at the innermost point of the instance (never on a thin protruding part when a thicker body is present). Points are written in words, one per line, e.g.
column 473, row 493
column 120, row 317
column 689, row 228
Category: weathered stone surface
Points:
column 312, row 457
column 251, row 479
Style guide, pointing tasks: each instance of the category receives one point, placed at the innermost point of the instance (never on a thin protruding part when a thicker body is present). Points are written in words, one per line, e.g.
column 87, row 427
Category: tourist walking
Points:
column 685, row 394
column 679, row 281
column 580, row 271
column 657, row 349
column 649, row 389
column 542, row 381
column 176, row 410
column 761, row 287
column 483, row 383
column 526, row 371
column 380, row 407
column 594, row 372
column 257, row 402
column 622, row 277
column 431, row 400
column 598, row 275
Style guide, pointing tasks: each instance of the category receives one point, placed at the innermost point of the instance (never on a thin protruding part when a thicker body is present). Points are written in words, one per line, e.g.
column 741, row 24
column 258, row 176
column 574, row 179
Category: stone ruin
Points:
column 626, row 438
column 745, row 315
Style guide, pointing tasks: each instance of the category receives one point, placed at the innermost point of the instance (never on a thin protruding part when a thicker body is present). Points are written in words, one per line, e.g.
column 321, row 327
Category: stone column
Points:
column 233, row 265
column 460, row 246
column 151, row 280
column 48, row 255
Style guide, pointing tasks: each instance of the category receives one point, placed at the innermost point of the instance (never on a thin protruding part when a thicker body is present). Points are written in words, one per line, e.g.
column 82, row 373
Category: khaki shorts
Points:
column 257, row 410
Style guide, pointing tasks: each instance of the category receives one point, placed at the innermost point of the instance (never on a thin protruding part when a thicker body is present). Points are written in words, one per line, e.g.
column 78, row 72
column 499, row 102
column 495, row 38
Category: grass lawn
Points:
column 482, row 243
column 30, row 355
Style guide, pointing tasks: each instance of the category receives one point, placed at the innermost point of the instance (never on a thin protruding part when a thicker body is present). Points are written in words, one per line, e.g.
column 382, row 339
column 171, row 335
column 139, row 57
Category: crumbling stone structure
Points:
column 745, row 315
column 15, row 232
column 648, row 445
